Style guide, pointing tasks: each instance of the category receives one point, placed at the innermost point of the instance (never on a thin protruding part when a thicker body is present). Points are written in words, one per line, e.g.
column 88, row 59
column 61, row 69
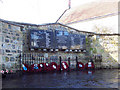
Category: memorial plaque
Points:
column 50, row 39
column 62, row 39
column 58, row 39
column 75, row 41
column 38, row 39
column 42, row 39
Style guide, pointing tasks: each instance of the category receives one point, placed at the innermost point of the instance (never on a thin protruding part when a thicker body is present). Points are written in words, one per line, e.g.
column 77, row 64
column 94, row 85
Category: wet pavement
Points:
column 75, row 79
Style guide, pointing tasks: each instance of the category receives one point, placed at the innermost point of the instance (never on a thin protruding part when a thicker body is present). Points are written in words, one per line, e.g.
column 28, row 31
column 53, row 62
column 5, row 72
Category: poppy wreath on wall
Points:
column 80, row 66
column 47, row 67
column 89, row 65
column 53, row 66
column 64, row 66
column 41, row 66
column 34, row 68
column 25, row 68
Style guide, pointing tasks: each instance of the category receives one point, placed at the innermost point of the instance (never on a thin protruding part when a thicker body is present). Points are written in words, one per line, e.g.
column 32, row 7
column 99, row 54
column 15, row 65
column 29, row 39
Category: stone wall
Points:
column 10, row 45
column 107, row 46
